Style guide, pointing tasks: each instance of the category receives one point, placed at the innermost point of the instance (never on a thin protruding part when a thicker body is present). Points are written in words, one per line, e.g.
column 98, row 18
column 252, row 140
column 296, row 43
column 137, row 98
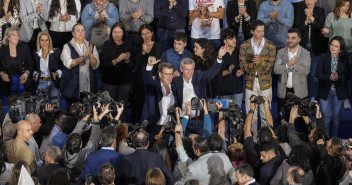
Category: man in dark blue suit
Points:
column 159, row 96
column 105, row 154
column 245, row 175
column 193, row 84
column 132, row 168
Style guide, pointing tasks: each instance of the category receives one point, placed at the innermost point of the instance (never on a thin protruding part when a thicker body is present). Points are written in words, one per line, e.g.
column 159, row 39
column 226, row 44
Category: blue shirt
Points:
column 175, row 58
column 276, row 30
column 174, row 18
column 59, row 140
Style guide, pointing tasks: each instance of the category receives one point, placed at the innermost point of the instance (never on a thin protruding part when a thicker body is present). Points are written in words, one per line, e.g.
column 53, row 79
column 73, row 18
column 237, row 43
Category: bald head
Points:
column 24, row 130
column 34, row 120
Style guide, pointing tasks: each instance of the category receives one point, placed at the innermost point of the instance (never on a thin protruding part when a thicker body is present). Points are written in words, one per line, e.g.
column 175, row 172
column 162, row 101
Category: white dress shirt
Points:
column 289, row 83
column 164, row 104
column 188, row 94
column 250, row 182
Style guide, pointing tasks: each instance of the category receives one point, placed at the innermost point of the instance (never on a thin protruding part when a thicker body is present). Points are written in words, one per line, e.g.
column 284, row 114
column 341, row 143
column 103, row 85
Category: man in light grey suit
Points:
column 293, row 65
column 210, row 168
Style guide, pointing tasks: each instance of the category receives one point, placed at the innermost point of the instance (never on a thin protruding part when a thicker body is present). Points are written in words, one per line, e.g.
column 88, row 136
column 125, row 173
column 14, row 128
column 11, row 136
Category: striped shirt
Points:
column 127, row 7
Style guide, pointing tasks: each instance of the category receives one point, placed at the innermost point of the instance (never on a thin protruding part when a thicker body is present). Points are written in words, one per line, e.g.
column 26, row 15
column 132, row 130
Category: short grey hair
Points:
column 54, row 152
column 107, row 136
column 187, row 61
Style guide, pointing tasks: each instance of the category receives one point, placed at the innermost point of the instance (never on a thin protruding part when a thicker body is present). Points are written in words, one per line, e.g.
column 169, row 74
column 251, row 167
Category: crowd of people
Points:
column 174, row 116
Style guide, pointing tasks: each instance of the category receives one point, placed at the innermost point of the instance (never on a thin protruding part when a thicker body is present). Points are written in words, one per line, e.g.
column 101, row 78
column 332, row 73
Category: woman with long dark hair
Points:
column 161, row 148
column 142, row 51
column 333, row 73
column 239, row 13
column 333, row 163
column 204, row 56
column 339, row 23
column 116, row 64
column 9, row 16
column 63, row 15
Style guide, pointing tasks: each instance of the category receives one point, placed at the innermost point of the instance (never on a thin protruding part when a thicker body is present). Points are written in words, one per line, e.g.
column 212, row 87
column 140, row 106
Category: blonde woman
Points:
column 9, row 16
column 16, row 65
column 48, row 68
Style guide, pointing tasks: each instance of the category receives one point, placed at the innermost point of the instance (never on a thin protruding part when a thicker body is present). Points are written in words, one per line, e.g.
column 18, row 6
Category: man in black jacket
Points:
column 52, row 159
column 132, row 168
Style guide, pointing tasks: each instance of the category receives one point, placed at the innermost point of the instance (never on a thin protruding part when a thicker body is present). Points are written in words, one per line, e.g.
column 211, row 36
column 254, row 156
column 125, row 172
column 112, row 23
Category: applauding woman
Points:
column 47, row 65
column 147, row 48
column 333, row 73
column 80, row 60
column 100, row 15
column 9, row 16
column 63, row 15
column 16, row 65
column 116, row 64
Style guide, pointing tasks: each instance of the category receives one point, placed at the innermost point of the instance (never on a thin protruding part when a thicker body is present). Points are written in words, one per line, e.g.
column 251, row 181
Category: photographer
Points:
column 265, row 134
column 74, row 156
column 206, row 131
column 183, row 148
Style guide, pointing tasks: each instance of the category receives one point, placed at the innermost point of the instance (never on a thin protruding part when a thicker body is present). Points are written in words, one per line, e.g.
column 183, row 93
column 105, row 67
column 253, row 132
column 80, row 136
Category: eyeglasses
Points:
column 169, row 74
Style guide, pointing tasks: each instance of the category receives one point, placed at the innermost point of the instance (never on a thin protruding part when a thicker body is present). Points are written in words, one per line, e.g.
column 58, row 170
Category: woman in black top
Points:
column 239, row 13
column 116, row 64
column 333, row 72
column 310, row 20
column 16, row 65
column 9, row 16
column 204, row 56
column 147, row 48
column 333, row 163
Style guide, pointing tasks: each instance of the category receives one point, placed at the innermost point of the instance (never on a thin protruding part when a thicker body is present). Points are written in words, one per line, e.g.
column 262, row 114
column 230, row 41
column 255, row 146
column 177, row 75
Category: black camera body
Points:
column 211, row 105
column 234, row 115
column 257, row 100
column 305, row 107
column 195, row 104
column 135, row 129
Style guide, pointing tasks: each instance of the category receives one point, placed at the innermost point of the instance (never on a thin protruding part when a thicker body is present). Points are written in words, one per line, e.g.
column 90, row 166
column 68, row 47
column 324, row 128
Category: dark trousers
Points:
column 32, row 44
column 284, row 114
column 60, row 38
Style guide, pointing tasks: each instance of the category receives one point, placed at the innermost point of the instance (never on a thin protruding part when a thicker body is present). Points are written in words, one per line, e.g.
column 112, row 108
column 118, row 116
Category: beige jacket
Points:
column 18, row 150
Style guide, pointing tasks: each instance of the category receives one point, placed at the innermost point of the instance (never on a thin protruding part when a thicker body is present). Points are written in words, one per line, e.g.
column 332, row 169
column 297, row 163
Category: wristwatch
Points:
column 178, row 132
column 251, row 111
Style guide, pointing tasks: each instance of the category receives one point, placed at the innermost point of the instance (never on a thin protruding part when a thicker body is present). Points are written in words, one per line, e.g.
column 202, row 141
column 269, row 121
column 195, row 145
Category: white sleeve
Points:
column 66, row 56
column 96, row 56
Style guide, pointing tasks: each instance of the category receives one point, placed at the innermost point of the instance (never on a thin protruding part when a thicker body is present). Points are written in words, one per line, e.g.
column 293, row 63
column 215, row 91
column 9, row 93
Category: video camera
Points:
column 135, row 129
column 257, row 100
column 90, row 100
column 196, row 105
column 32, row 104
column 234, row 116
column 305, row 107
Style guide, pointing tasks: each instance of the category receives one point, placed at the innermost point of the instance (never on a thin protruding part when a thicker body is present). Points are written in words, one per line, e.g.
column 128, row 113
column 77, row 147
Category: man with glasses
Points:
column 159, row 96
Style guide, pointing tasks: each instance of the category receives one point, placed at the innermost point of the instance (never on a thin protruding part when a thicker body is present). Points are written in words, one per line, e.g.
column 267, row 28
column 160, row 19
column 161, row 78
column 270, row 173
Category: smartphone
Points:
column 89, row 179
